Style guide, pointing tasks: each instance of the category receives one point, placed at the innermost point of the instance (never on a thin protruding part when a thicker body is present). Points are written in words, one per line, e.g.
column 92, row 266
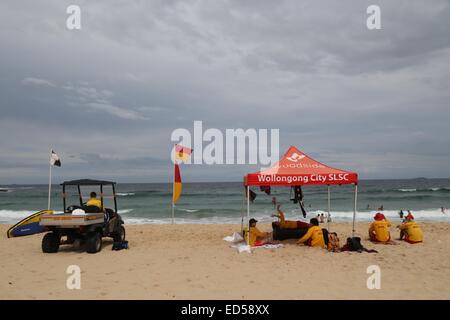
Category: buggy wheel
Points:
column 94, row 242
column 120, row 235
column 50, row 243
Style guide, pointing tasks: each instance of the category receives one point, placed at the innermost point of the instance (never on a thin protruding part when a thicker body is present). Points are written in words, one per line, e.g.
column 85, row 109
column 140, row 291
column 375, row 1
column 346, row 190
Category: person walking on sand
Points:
column 314, row 236
column 257, row 237
column 410, row 231
column 379, row 229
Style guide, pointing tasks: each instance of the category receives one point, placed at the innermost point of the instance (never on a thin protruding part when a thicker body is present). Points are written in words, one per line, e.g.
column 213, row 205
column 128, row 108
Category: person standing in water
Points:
column 322, row 218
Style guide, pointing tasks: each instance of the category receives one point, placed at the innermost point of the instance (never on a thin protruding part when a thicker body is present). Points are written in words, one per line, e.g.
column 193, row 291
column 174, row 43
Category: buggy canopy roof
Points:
column 87, row 182
column 297, row 169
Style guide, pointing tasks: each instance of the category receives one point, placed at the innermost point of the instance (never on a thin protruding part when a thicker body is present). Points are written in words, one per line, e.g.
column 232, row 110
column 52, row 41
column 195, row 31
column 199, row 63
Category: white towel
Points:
column 270, row 246
column 236, row 237
column 242, row 247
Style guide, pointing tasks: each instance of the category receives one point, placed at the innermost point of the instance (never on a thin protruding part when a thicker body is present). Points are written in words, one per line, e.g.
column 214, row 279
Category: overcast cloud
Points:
column 107, row 97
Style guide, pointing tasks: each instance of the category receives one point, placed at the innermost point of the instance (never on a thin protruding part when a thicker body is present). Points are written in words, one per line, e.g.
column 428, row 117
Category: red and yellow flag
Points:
column 182, row 153
column 176, row 184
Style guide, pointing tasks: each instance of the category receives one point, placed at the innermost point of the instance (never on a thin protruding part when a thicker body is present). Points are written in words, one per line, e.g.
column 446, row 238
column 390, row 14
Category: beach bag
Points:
column 119, row 245
column 325, row 236
column 354, row 244
column 333, row 242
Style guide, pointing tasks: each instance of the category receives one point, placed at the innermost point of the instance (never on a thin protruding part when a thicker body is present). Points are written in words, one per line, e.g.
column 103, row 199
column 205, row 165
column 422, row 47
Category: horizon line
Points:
column 236, row 181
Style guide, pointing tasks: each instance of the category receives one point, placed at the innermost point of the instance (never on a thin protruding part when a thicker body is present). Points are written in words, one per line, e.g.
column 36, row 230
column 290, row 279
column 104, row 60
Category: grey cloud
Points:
column 117, row 111
column 136, row 71
column 37, row 81
column 91, row 98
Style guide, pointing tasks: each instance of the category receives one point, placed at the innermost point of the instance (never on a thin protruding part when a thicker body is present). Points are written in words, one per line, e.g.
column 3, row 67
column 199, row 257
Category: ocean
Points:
column 224, row 202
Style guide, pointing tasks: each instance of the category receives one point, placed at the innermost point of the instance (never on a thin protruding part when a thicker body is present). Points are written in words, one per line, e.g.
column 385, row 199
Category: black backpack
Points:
column 119, row 245
column 354, row 244
column 325, row 236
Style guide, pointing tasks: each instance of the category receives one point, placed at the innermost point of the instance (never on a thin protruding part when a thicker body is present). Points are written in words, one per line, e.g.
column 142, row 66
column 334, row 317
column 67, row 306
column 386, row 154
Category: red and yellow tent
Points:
column 295, row 168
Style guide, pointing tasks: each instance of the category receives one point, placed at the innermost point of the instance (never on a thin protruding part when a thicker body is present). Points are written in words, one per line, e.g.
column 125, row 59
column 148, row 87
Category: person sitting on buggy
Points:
column 93, row 201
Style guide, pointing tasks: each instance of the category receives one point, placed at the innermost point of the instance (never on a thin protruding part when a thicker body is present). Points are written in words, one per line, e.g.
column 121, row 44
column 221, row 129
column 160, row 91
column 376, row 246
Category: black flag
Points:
column 54, row 160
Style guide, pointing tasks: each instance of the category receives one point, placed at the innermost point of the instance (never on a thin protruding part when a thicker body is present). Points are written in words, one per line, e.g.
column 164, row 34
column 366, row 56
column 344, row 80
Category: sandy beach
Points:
column 193, row 262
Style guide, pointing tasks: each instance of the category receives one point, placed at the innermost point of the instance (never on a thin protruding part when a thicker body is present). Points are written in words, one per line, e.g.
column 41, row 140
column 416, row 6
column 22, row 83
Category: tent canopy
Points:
column 297, row 169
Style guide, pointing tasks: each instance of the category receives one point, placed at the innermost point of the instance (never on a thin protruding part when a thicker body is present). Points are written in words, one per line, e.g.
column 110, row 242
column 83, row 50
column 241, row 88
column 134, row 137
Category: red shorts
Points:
column 258, row 243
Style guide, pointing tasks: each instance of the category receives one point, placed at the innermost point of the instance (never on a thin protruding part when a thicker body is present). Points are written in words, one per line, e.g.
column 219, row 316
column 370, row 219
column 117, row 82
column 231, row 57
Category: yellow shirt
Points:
column 381, row 230
column 316, row 235
column 255, row 233
column 94, row 202
column 413, row 231
column 286, row 224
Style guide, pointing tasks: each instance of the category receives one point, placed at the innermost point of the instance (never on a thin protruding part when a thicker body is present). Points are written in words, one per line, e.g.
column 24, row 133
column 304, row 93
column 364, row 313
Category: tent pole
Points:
column 248, row 214
column 329, row 209
column 242, row 212
column 354, row 209
column 173, row 194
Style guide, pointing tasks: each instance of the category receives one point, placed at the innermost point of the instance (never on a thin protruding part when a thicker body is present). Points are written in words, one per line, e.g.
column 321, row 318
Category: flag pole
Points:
column 49, row 180
column 173, row 193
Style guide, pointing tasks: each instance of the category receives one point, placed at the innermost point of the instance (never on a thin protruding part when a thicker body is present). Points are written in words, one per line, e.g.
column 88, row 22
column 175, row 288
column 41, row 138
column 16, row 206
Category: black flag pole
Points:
column 50, row 180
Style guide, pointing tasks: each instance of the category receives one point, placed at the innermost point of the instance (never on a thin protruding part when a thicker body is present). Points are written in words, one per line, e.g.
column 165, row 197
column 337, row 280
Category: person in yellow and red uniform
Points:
column 314, row 236
column 379, row 229
column 93, row 201
column 288, row 224
column 410, row 231
column 257, row 237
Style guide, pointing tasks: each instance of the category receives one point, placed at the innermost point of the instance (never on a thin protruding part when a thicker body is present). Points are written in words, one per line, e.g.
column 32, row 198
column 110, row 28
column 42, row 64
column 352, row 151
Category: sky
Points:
column 107, row 97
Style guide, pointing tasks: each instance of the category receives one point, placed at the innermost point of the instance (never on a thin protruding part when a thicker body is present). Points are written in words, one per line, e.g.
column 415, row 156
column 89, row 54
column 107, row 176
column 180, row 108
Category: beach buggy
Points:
column 81, row 223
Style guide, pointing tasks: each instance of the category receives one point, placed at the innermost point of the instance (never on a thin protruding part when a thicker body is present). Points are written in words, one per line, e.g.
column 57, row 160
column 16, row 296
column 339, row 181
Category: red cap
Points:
column 379, row 217
column 410, row 216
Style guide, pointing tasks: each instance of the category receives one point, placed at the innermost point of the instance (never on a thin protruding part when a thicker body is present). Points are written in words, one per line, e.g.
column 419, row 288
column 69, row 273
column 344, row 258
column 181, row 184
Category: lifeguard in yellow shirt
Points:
column 93, row 201
column 257, row 237
column 379, row 229
column 288, row 224
column 314, row 236
column 410, row 231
